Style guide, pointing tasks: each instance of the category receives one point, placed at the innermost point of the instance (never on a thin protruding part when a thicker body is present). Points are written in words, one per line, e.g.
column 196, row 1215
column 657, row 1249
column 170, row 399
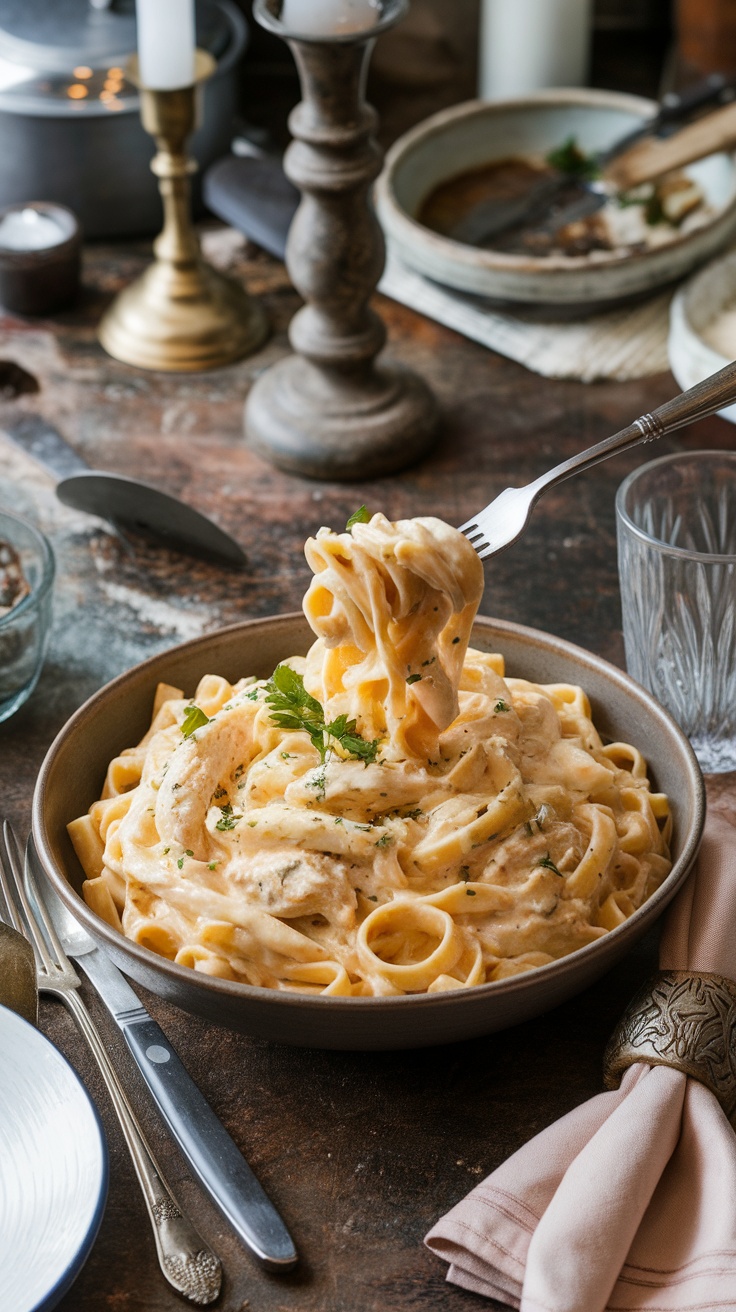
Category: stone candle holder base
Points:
column 311, row 425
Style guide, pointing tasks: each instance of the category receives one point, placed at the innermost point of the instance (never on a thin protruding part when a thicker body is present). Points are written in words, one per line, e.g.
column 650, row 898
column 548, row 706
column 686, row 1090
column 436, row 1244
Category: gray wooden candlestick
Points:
column 330, row 410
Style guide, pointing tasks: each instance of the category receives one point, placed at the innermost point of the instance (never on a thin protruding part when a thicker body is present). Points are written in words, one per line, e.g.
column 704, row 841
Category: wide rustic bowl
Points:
column 116, row 717
column 476, row 133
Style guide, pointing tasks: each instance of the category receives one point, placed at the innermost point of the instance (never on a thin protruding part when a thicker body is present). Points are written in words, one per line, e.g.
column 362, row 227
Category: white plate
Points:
column 695, row 306
column 53, row 1170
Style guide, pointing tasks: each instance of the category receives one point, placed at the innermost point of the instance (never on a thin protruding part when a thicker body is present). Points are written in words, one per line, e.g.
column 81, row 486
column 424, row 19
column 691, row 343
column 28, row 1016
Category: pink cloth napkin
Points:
column 629, row 1201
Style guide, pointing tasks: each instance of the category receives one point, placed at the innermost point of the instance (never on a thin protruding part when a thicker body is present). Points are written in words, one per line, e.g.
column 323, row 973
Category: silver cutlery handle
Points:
column 714, row 393
column 186, row 1261
column 207, row 1146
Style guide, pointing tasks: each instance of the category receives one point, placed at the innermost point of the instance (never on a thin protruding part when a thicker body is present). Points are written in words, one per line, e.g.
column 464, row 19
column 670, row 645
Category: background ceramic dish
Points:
column 695, row 306
column 470, row 135
column 116, row 717
column 53, row 1170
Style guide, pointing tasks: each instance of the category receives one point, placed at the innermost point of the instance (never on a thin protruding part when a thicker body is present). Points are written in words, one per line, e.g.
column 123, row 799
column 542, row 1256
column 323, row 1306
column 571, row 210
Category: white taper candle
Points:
column 166, row 43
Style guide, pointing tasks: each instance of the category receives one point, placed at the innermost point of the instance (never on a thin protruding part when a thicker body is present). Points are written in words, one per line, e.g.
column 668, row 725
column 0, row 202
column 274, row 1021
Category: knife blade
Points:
column 212, row 1154
column 128, row 503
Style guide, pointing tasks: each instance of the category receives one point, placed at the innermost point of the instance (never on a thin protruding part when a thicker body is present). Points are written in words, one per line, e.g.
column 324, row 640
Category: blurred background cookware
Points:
column 70, row 128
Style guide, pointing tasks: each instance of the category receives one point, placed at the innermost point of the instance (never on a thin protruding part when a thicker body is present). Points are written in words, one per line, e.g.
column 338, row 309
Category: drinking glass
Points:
column 24, row 628
column 676, row 522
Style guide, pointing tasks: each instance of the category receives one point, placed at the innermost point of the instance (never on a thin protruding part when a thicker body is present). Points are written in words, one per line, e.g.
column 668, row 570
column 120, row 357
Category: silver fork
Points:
column 186, row 1261
column 505, row 519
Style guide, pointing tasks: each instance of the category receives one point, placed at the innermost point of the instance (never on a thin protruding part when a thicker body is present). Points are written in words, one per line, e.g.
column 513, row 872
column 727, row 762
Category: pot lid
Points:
column 69, row 56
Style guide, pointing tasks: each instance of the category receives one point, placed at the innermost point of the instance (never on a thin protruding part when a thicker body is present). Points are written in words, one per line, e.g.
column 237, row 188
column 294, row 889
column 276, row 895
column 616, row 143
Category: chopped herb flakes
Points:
column 166, row 849
column 212, row 865
column 194, row 718
column 360, row 516
column 227, row 819
column 454, row 641
column 252, row 696
column 413, row 678
column 219, row 792
column 470, row 892
column 549, row 864
column 501, row 705
column 384, row 840
column 180, row 862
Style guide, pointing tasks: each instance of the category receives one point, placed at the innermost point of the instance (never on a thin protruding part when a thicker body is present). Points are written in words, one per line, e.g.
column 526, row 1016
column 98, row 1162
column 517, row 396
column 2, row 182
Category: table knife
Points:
column 128, row 503
column 213, row 1156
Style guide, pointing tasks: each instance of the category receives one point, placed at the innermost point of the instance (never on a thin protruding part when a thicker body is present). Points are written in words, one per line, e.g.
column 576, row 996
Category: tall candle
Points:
column 529, row 44
column 329, row 17
column 166, row 43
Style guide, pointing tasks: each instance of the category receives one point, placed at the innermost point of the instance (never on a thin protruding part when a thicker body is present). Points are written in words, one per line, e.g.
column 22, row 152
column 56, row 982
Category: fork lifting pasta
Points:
column 389, row 814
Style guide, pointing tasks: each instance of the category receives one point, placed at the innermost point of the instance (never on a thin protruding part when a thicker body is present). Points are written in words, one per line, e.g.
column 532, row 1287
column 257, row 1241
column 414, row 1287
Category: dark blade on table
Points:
column 144, row 509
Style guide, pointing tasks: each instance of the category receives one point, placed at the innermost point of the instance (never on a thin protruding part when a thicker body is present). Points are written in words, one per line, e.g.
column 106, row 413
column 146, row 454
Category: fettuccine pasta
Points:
column 389, row 814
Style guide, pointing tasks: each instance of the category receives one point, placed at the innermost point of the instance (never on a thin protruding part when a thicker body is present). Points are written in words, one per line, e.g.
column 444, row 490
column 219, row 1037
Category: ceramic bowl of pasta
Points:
column 384, row 823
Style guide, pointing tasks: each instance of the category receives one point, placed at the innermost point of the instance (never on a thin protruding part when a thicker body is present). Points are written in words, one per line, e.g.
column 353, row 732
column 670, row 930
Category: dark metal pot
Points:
column 69, row 121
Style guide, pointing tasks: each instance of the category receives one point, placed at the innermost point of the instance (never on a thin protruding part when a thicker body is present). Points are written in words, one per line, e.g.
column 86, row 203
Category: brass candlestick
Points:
column 330, row 411
column 181, row 314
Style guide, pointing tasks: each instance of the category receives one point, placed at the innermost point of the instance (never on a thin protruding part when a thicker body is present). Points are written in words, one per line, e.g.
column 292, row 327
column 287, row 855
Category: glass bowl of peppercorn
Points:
column 26, row 577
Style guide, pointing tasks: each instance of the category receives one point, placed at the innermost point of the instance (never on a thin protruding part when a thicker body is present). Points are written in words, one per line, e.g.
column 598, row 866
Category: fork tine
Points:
column 15, row 893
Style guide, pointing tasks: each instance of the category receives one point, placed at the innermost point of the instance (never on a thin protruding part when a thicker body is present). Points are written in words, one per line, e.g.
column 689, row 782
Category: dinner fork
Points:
column 186, row 1261
column 504, row 520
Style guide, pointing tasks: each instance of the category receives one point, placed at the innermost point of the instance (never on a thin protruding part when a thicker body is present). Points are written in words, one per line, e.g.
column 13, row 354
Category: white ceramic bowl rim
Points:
column 510, row 985
column 658, row 544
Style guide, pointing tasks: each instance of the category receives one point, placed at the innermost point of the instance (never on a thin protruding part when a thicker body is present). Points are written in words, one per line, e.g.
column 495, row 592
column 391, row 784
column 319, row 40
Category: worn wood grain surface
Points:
column 361, row 1152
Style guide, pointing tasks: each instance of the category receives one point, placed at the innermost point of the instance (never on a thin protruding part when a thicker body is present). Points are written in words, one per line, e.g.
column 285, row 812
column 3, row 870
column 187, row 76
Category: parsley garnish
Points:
column 212, row 865
column 569, row 158
column 383, row 841
column 253, row 696
column 501, row 705
column 219, row 792
column 470, row 892
column 189, row 852
column 180, row 862
column 194, row 718
column 549, row 864
column 292, row 707
column 360, row 516
column 227, row 819
column 413, row 678
column 166, row 849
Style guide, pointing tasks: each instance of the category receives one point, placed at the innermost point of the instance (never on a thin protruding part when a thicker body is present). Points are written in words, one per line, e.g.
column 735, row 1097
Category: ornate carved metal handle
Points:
column 685, row 1019
column 185, row 1259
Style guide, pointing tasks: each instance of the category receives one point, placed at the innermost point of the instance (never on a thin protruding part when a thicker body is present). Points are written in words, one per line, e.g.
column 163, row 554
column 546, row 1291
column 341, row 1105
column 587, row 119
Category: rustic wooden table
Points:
column 361, row 1152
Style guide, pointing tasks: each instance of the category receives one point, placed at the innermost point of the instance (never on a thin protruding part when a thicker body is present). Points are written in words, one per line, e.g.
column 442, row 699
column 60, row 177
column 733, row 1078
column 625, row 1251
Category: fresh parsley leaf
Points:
column 292, row 707
column 360, row 516
column 569, row 158
column 549, row 864
column 413, row 678
column 194, row 718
